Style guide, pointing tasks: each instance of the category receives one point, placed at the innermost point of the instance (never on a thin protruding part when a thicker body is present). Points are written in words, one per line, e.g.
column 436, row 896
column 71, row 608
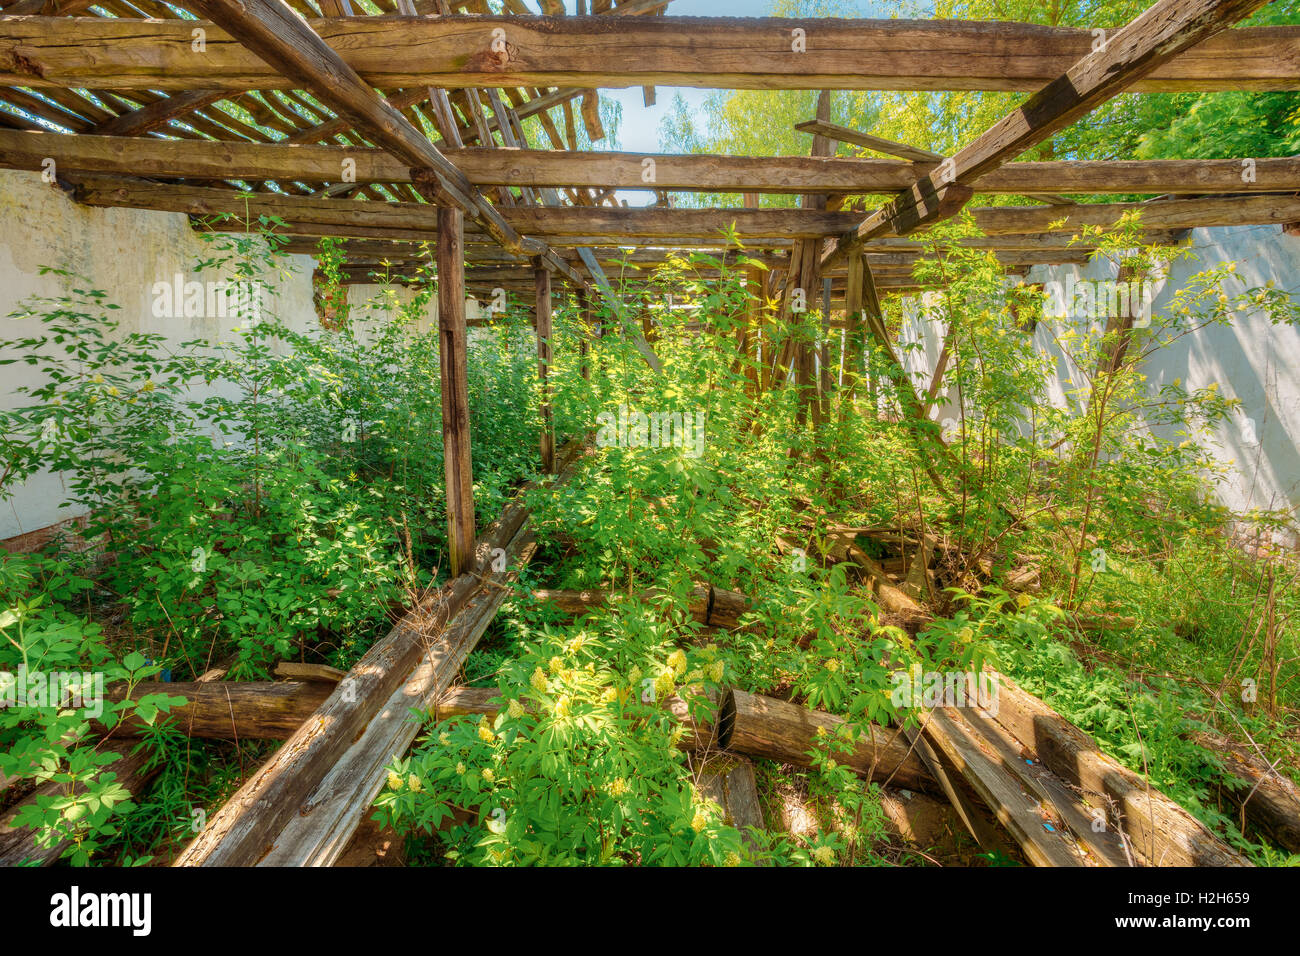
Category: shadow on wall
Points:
column 1251, row 360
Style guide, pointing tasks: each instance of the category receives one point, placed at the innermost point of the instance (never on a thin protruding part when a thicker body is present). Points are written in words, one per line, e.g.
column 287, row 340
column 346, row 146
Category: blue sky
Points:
column 640, row 130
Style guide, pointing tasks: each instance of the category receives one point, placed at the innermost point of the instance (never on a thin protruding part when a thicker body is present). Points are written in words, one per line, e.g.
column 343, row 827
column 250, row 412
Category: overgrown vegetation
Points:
column 278, row 496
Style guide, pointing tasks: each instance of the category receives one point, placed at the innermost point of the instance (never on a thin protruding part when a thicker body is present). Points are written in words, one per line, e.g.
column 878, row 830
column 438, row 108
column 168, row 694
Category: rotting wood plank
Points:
column 110, row 148
column 242, row 830
column 1160, row 831
column 318, row 833
column 1019, row 812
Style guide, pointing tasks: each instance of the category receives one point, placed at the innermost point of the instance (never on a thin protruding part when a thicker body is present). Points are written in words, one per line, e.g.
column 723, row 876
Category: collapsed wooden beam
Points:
column 787, row 733
column 1154, row 37
column 18, row 846
column 602, row 52
column 710, row 606
column 241, row 832
column 1158, row 829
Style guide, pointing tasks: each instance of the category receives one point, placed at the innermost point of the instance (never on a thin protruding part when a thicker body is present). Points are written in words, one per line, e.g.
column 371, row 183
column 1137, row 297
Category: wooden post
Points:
column 584, row 340
column 542, row 285
column 851, row 360
column 810, row 281
column 455, row 388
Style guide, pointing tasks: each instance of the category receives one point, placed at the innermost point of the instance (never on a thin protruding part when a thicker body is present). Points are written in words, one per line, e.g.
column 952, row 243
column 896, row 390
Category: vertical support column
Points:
column 584, row 342
column 810, row 281
column 542, row 285
column 749, row 348
column 452, row 335
column 852, row 359
column 874, row 317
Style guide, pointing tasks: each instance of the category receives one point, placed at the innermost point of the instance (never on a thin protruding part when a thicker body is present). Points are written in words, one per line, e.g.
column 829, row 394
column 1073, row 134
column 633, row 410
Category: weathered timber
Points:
column 698, row 735
column 18, row 844
column 294, row 670
column 728, row 781
column 1157, row 35
column 283, row 39
column 240, row 833
column 324, row 824
column 598, row 52
column 1104, row 844
column 115, row 152
column 231, row 710
column 458, row 467
column 762, row 726
column 542, row 319
column 713, row 607
column 1269, row 800
column 1019, row 812
column 1160, row 832
column 592, row 226
column 843, row 134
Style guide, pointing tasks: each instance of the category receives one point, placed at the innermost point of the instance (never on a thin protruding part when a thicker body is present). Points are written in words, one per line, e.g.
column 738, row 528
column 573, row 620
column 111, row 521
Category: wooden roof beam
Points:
column 541, row 168
column 599, row 52
column 1116, row 63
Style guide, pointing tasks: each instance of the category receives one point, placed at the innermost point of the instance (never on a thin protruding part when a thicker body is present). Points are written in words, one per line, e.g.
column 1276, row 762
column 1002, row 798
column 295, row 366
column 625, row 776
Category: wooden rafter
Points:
column 283, row 38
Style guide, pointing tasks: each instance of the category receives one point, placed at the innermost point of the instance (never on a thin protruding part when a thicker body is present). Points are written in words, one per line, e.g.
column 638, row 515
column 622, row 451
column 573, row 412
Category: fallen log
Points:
column 1269, row 800
column 475, row 701
column 325, row 823
column 229, row 710
column 1160, row 831
column 728, row 781
column 761, row 726
column 18, row 844
column 892, row 599
column 242, row 831
column 710, row 606
column 293, row 670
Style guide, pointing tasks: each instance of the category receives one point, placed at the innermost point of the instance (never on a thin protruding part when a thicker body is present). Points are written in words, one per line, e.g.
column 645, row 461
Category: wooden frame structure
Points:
column 404, row 126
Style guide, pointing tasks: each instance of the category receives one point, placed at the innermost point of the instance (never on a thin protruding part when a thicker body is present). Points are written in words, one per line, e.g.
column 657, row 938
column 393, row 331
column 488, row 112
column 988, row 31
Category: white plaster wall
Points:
column 124, row 252
column 1251, row 360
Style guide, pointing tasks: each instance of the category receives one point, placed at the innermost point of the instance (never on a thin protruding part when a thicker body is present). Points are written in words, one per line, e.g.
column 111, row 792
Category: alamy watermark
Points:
column 1100, row 299
column 64, row 690
column 922, row 689
column 214, row 299
column 633, row 429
